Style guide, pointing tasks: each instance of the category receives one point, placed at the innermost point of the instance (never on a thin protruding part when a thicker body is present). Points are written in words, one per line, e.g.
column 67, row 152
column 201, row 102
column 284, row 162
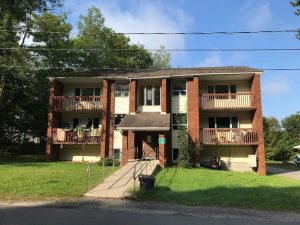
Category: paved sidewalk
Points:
column 117, row 185
column 283, row 172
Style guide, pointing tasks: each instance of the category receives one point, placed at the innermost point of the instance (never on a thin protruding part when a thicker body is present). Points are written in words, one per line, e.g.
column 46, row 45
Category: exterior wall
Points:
column 232, row 158
column 68, row 117
column 117, row 140
column 244, row 118
column 69, row 88
column 179, row 104
column 121, row 105
column 80, row 153
column 241, row 85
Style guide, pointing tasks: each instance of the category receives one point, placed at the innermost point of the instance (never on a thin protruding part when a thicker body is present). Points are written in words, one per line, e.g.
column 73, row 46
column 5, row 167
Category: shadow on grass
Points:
column 266, row 198
column 24, row 160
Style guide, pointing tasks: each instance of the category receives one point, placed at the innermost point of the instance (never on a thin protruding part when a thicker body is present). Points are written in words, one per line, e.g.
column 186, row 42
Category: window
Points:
column 116, row 153
column 150, row 95
column 86, row 122
column 179, row 87
column 178, row 119
column 223, row 122
column 222, row 89
column 118, row 118
column 87, row 92
column 122, row 89
column 175, row 153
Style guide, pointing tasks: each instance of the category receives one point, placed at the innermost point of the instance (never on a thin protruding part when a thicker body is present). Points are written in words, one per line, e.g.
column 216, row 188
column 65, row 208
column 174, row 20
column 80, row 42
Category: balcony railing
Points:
column 65, row 136
column 229, row 136
column 227, row 101
column 77, row 103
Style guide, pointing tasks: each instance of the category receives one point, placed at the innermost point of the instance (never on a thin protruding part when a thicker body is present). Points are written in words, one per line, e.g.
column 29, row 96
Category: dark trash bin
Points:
column 146, row 182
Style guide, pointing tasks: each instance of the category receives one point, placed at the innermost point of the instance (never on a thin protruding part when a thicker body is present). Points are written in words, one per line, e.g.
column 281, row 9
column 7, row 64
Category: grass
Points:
column 32, row 178
column 222, row 188
column 283, row 165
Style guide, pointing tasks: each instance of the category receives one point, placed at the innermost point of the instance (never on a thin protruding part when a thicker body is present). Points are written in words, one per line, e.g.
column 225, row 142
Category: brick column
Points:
column 131, row 144
column 124, row 148
column 162, row 152
column 104, row 119
column 163, row 95
column 54, row 120
column 132, row 96
column 111, row 117
column 107, row 119
column 257, row 123
column 193, row 116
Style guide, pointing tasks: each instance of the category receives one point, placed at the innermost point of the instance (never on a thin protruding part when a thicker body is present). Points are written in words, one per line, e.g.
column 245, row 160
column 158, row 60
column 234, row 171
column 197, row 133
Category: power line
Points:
column 171, row 33
column 136, row 70
column 152, row 50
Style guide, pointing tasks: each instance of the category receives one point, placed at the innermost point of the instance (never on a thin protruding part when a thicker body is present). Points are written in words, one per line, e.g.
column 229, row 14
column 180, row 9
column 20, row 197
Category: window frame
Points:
column 230, row 122
column 175, row 125
column 80, row 91
column 153, row 88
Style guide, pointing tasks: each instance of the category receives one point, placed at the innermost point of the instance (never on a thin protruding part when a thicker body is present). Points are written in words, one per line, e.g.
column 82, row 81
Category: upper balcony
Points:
column 77, row 103
column 229, row 136
column 227, row 101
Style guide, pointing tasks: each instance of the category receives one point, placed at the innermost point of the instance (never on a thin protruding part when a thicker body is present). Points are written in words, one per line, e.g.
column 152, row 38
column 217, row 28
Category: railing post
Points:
column 113, row 160
column 103, row 168
column 89, row 176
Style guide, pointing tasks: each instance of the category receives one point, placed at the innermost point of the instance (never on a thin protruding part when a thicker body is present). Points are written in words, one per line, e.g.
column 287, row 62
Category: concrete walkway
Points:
column 117, row 185
column 283, row 172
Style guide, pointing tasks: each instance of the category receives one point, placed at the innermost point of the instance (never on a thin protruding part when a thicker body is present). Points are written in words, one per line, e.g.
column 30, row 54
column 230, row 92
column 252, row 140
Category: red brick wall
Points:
column 257, row 123
column 163, row 95
column 124, row 148
column 162, row 152
column 54, row 120
column 131, row 144
column 107, row 121
column 132, row 96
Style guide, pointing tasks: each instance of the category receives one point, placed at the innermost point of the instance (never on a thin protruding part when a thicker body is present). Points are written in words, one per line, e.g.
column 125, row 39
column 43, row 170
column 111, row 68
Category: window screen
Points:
column 211, row 122
column 223, row 122
column 75, row 122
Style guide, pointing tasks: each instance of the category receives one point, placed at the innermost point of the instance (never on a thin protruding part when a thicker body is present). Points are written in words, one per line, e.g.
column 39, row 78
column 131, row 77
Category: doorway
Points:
column 147, row 141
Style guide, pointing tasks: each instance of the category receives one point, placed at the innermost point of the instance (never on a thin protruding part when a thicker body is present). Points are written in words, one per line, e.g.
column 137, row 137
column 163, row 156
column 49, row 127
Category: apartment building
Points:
column 100, row 113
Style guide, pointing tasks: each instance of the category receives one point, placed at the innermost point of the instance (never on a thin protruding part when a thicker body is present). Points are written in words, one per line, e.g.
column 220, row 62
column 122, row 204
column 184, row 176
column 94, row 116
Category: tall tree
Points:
column 161, row 59
column 296, row 4
column 93, row 34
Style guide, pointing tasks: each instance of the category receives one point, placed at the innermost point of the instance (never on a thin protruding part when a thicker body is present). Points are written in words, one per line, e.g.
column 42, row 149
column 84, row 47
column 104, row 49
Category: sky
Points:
column 280, row 89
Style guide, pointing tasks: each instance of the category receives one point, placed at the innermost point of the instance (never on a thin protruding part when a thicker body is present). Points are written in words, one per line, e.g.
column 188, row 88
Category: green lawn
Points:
column 222, row 188
column 30, row 177
column 283, row 165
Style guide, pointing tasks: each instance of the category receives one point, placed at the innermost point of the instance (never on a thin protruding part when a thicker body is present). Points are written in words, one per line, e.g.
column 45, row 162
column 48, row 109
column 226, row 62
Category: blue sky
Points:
column 280, row 90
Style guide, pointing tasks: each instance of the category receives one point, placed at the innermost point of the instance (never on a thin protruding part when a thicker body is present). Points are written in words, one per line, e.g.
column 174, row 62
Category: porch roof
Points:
column 145, row 121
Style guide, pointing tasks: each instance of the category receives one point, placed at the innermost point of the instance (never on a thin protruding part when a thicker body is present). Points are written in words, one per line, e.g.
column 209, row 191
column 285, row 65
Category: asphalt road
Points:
column 94, row 213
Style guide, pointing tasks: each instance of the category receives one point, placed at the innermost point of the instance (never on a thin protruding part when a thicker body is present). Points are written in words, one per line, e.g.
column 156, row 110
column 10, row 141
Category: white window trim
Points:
column 229, row 90
column 152, row 93
column 94, row 90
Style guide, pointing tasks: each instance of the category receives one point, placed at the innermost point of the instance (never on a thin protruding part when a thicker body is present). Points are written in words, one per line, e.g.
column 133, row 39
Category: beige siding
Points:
column 233, row 158
column 69, row 88
column 121, row 105
column 80, row 153
column 117, row 140
column 244, row 118
column 179, row 104
column 241, row 85
column 68, row 117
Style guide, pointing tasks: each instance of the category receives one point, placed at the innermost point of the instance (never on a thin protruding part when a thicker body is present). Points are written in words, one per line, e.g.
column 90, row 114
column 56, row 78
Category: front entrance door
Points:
column 147, row 142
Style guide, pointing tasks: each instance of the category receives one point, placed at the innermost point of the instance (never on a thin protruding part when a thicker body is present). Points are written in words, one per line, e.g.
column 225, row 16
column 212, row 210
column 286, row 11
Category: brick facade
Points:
column 132, row 96
column 257, row 123
column 54, row 120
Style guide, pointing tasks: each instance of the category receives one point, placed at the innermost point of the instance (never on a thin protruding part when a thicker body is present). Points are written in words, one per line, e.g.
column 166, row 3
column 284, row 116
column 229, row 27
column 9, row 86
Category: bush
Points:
column 109, row 162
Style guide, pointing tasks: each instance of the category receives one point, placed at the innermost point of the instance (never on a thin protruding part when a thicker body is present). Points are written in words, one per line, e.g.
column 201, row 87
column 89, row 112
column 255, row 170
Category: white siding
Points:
column 117, row 140
column 179, row 104
column 121, row 105
column 149, row 108
column 80, row 153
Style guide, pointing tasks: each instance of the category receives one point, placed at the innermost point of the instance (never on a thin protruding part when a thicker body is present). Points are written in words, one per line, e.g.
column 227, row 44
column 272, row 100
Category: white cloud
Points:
column 213, row 59
column 277, row 85
column 256, row 16
column 217, row 59
column 142, row 16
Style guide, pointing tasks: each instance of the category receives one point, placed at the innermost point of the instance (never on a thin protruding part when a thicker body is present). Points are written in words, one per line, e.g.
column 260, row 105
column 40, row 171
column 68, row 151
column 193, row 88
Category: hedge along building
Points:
column 95, row 114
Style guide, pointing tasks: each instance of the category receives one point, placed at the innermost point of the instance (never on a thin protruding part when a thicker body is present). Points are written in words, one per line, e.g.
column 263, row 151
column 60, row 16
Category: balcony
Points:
column 229, row 136
column 239, row 101
column 77, row 103
column 66, row 136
